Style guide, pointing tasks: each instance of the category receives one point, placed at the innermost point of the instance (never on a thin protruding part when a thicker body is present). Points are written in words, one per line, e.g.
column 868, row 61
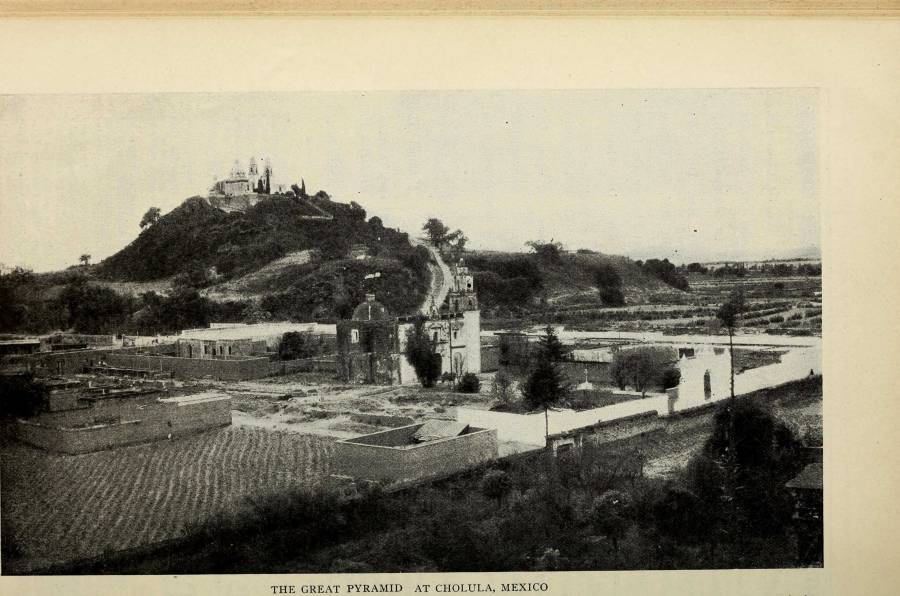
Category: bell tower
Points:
column 462, row 295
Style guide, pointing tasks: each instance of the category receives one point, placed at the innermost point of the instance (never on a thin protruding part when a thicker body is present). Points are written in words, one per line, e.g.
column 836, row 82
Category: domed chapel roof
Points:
column 370, row 310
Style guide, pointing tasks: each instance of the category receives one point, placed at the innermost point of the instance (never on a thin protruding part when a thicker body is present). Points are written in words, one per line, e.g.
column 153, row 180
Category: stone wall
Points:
column 81, row 338
column 68, row 362
column 158, row 420
column 490, row 358
column 288, row 367
column 193, row 368
column 364, row 367
column 369, row 457
column 611, row 431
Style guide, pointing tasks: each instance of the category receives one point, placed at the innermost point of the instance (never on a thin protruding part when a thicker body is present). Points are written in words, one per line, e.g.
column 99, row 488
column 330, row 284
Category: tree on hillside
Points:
column 85, row 259
column 546, row 384
column 729, row 314
column 421, row 353
column 254, row 313
column 665, row 272
column 438, row 234
column 609, row 283
column 642, row 367
column 94, row 309
column 550, row 251
column 150, row 217
column 14, row 307
column 457, row 242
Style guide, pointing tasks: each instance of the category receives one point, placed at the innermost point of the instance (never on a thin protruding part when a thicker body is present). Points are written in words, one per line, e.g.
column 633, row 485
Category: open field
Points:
column 791, row 304
column 58, row 508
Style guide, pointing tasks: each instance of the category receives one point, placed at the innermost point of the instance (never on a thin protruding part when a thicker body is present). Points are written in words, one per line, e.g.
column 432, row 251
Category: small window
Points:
column 354, row 336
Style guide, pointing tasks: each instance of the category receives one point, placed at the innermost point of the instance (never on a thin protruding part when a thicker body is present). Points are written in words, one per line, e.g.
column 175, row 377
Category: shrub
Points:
column 640, row 366
column 496, row 484
column 420, row 353
column 469, row 383
column 671, row 377
column 503, row 387
column 296, row 344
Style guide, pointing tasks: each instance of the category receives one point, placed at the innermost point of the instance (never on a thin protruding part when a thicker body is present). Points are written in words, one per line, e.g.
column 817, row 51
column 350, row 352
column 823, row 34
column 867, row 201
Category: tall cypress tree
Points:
column 546, row 385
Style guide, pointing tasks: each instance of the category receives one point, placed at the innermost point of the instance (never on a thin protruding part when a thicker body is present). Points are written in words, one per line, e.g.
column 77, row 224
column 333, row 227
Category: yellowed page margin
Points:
column 855, row 65
column 93, row 8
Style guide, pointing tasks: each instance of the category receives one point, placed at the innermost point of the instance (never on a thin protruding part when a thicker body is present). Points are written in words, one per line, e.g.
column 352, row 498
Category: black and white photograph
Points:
column 397, row 331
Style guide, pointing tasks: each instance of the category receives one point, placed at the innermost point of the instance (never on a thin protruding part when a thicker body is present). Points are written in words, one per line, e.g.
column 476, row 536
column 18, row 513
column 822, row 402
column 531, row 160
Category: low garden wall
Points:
column 530, row 428
column 378, row 457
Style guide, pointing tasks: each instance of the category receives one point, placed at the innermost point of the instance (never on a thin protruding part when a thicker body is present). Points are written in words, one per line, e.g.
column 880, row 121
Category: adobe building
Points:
column 220, row 348
column 270, row 333
column 371, row 344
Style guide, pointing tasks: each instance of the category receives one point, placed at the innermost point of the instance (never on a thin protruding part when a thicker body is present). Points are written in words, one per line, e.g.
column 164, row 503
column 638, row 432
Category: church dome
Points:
column 370, row 310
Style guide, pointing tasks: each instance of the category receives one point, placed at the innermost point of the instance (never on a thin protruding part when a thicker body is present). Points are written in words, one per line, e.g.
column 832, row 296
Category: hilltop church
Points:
column 251, row 181
column 371, row 345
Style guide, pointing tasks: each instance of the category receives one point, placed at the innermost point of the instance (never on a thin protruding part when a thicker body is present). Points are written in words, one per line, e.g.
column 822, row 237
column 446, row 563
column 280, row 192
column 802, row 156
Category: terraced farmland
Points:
column 60, row 508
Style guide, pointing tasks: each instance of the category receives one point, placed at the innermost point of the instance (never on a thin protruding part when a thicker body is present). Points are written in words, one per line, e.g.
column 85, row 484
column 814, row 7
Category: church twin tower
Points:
column 240, row 182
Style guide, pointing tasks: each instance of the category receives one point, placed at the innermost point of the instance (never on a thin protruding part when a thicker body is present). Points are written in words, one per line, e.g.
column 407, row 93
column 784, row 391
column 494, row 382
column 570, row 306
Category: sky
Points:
column 688, row 175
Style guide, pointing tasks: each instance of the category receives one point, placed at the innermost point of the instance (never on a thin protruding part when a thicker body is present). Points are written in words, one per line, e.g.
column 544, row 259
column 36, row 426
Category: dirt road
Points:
column 440, row 278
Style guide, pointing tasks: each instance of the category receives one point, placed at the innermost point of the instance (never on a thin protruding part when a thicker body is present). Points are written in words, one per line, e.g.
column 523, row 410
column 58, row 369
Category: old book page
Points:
column 797, row 145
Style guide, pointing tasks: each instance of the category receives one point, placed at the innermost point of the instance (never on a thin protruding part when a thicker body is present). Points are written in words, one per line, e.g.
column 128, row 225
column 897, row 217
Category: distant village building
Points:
column 18, row 346
column 371, row 344
column 220, row 348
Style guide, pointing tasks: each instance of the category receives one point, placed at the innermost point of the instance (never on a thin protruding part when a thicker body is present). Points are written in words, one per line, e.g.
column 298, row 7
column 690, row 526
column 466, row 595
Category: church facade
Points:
column 371, row 345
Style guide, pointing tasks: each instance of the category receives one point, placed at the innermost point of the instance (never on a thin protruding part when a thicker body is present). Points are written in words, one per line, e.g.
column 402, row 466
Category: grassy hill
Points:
column 516, row 284
column 197, row 235
column 272, row 257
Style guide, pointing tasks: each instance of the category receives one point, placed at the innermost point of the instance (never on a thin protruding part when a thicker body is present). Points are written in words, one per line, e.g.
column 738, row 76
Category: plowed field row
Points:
column 61, row 508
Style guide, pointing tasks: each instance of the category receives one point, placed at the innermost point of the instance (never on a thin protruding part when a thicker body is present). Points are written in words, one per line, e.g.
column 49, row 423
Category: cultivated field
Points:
column 784, row 305
column 58, row 508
